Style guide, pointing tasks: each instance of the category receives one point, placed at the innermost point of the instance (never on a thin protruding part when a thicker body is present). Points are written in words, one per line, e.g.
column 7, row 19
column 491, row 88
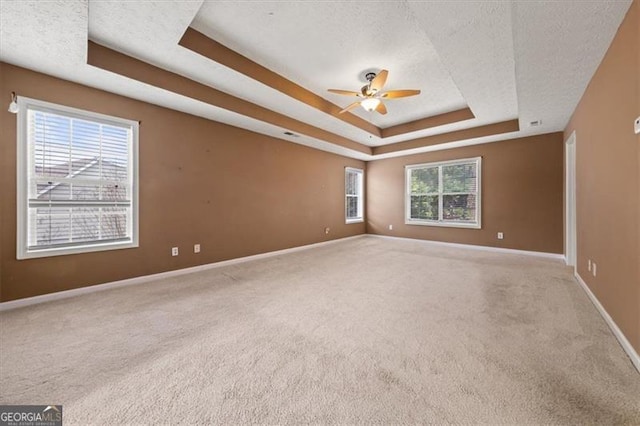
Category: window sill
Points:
column 443, row 224
column 61, row 251
column 350, row 221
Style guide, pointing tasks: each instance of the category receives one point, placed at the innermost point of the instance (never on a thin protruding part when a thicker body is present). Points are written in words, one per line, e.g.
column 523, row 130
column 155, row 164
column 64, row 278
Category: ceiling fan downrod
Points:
column 366, row 89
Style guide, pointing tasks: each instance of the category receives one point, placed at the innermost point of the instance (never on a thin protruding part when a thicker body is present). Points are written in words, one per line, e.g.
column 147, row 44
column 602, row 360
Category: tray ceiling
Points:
column 504, row 61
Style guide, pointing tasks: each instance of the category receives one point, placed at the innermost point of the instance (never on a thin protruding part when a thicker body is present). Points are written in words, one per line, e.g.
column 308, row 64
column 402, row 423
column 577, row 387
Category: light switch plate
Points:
column 636, row 126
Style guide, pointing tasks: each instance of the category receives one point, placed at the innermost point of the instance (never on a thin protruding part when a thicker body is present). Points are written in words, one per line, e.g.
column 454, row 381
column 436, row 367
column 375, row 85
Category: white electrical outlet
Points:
column 174, row 251
column 500, row 236
column 636, row 126
column 390, row 227
column 594, row 269
column 326, row 230
column 589, row 265
column 196, row 248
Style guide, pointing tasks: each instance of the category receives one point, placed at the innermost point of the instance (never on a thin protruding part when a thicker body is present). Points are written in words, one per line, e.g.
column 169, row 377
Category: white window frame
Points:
column 360, row 196
column 23, row 252
column 440, row 222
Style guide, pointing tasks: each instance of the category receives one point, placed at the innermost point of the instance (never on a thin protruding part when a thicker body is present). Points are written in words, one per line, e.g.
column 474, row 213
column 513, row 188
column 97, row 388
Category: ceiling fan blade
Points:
column 392, row 94
column 381, row 108
column 345, row 92
column 350, row 107
column 378, row 81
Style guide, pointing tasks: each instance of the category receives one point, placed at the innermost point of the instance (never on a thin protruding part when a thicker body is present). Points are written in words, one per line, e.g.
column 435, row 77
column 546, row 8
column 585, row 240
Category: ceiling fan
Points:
column 372, row 95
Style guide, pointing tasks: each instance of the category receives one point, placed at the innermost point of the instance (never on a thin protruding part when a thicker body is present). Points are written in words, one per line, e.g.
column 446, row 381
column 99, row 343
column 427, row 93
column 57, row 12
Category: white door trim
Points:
column 570, row 239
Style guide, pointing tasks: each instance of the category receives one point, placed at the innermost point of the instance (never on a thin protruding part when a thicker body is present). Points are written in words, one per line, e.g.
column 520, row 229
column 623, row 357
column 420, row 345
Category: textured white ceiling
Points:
column 530, row 59
column 43, row 35
column 474, row 40
column 559, row 46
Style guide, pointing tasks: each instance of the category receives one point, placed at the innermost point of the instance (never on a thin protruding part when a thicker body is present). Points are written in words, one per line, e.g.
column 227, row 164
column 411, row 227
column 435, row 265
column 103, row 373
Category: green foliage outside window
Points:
column 453, row 187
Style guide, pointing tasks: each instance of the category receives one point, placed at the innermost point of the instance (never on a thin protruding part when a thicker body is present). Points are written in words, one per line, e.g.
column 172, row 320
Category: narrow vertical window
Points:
column 77, row 181
column 354, row 196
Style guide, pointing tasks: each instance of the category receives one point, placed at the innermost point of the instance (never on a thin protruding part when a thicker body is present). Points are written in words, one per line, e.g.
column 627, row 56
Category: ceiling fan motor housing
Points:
column 371, row 93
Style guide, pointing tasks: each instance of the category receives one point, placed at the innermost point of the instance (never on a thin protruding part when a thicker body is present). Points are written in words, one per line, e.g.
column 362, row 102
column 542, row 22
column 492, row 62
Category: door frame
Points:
column 570, row 239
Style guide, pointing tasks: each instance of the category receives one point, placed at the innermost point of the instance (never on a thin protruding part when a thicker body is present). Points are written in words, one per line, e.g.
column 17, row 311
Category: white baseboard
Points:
column 475, row 247
column 14, row 304
column 633, row 355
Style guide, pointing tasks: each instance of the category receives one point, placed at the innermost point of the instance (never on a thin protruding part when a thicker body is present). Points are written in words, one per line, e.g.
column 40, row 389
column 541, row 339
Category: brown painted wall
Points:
column 608, row 179
column 235, row 192
column 522, row 183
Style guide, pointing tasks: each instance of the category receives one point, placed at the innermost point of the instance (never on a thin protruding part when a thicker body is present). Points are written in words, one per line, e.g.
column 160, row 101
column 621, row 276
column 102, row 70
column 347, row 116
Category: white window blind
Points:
column 444, row 193
column 78, row 186
column 354, row 197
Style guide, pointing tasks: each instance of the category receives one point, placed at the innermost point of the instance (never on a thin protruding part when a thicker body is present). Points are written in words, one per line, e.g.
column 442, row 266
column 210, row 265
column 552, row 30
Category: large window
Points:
column 77, row 181
column 444, row 194
column 354, row 197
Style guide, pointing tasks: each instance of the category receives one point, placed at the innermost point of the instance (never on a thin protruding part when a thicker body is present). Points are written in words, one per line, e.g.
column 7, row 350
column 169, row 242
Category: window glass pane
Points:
column 459, row 178
column 86, row 224
column 53, row 225
column 51, row 144
column 351, row 183
column 459, row 207
column 352, row 207
column 114, row 223
column 85, row 152
column 424, row 180
column 53, row 191
column 113, row 171
column 424, row 207
column 115, row 192
column 114, row 153
column 85, row 192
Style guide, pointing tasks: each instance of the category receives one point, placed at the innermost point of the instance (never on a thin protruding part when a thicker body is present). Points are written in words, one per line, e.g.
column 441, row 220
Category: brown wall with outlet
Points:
column 235, row 192
column 522, row 182
column 608, row 179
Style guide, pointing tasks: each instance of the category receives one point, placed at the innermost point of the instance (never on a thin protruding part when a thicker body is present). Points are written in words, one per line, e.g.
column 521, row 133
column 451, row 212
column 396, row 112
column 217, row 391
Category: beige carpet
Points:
column 366, row 330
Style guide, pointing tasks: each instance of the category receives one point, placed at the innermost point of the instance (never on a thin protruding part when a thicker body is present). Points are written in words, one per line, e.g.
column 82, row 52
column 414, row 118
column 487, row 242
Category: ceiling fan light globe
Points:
column 370, row 104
